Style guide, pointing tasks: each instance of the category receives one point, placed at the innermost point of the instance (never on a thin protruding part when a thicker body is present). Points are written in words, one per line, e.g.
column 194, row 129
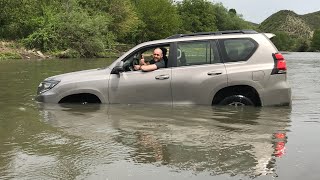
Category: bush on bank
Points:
column 74, row 29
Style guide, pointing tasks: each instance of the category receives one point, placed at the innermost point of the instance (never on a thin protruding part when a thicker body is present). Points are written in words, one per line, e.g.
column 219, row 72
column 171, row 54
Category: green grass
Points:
column 9, row 55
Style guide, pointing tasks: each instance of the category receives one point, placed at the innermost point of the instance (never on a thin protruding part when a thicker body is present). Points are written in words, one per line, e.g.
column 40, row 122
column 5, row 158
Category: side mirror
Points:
column 117, row 70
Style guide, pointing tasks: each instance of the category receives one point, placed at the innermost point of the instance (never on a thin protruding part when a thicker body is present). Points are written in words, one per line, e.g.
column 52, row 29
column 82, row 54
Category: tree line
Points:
column 87, row 28
column 287, row 42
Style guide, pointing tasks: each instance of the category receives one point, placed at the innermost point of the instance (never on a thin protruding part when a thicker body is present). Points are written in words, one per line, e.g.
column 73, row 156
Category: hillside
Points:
column 301, row 26
column 313, row 19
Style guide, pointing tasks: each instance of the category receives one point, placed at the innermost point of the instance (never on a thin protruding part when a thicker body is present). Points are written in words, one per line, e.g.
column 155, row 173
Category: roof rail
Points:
column 213, row 33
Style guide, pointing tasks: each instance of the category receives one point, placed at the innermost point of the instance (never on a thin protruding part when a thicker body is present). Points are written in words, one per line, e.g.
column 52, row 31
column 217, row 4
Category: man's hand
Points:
column 137, row 67
column 142, row 62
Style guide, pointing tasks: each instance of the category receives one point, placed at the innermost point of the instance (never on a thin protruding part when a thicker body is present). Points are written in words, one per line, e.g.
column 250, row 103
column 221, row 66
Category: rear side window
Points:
column 235, row 50
column 197, row 53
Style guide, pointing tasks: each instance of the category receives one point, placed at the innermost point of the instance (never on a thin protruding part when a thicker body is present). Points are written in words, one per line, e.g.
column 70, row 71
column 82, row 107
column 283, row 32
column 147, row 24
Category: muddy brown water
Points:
column 47, row 141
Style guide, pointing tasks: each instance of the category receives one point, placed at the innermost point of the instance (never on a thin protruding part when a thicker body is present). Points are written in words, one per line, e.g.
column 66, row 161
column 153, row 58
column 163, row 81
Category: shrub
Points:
column 74, row 29
column 315, row 44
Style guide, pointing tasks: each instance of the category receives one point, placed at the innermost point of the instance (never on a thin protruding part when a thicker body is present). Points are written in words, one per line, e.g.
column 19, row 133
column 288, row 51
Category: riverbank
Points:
column 15, row 50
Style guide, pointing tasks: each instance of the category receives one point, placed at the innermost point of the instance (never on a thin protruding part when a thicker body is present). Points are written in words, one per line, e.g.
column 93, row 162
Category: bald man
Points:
column 156, row 63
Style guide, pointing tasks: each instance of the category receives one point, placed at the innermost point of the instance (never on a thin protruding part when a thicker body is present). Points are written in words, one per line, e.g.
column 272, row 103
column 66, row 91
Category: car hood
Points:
column 79, row 75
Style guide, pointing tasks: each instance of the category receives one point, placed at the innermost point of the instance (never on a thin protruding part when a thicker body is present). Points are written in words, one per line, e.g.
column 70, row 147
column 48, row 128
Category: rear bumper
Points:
column 277, row 97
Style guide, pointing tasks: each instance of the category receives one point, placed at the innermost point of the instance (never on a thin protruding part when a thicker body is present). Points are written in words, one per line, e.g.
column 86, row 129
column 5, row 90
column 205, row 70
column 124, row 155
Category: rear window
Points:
column 235, row 50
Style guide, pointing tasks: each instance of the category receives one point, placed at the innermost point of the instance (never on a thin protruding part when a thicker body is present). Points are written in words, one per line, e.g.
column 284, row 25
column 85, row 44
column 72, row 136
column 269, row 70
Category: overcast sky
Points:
column 258, row 10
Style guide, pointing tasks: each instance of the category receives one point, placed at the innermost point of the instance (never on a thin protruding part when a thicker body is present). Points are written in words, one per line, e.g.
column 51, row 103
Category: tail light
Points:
column 280, row 65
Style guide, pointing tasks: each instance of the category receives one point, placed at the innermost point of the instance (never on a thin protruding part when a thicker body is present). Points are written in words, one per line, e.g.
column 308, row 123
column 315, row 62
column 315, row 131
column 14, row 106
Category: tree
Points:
column 315, row 42
column 202, row 15
column 160, row 19
column 125, row 19
column 283, row 41
column 301, row 45
column 72, row 27
column 233, row 11
column 91, row 26
column 197, row 16
column 17, row 18
column 229, row 20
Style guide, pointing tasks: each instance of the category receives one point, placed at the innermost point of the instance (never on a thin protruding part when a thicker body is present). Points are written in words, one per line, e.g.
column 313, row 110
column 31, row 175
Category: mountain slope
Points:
column 313, row 19
column 290, row 23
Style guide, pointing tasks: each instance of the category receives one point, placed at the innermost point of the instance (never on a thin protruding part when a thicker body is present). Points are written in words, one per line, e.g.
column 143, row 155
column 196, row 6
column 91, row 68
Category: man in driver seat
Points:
column 156, row 63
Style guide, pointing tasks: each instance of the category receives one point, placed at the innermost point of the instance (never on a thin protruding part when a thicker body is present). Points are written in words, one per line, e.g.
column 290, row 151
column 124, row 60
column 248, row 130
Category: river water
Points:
column 47, row 141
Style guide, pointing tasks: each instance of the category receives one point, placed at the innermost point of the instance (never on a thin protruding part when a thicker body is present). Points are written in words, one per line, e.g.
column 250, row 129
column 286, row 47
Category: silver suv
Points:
column 240, row 67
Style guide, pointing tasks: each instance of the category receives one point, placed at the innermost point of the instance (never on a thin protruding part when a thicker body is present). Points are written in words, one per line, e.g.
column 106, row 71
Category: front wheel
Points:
column 236, row 100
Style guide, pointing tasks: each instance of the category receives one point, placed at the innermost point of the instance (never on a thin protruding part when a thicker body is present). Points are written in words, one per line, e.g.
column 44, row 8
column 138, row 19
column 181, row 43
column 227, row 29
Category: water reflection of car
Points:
column 200, row 139
column 215, row 68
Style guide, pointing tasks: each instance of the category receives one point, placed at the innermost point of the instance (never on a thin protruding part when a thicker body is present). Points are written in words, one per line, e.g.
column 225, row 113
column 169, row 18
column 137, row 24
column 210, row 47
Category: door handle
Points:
column 214, row 73
column 162, row 77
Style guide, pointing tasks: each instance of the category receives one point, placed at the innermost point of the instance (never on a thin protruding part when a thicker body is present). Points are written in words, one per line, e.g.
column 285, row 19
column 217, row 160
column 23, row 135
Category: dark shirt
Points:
column 159, row 64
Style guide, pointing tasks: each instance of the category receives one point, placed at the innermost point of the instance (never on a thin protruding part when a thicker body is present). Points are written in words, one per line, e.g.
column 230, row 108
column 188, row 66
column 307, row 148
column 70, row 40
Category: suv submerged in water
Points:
column 239, row 67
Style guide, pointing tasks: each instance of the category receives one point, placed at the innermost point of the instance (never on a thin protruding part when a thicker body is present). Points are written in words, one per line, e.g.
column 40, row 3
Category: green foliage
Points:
column 16, row 18
column 229, row 20
column 123, row 16
column 197, row 16
column 312, row 19
column 203, row 16
column 296, row 30
column 84, row 33
column 72, row 28
column 283, row 41
column 46, row 36
column 301, row 45
column 90, row 28
column 92, row 6
column 125, row 19
column 233, row 11
column 160, row 19
column 315, row 43
column 9, row 55
column 273, row 23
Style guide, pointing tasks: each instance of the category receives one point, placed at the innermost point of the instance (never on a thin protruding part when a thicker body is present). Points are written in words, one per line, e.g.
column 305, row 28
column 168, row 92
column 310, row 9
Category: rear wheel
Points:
column 236, row 100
